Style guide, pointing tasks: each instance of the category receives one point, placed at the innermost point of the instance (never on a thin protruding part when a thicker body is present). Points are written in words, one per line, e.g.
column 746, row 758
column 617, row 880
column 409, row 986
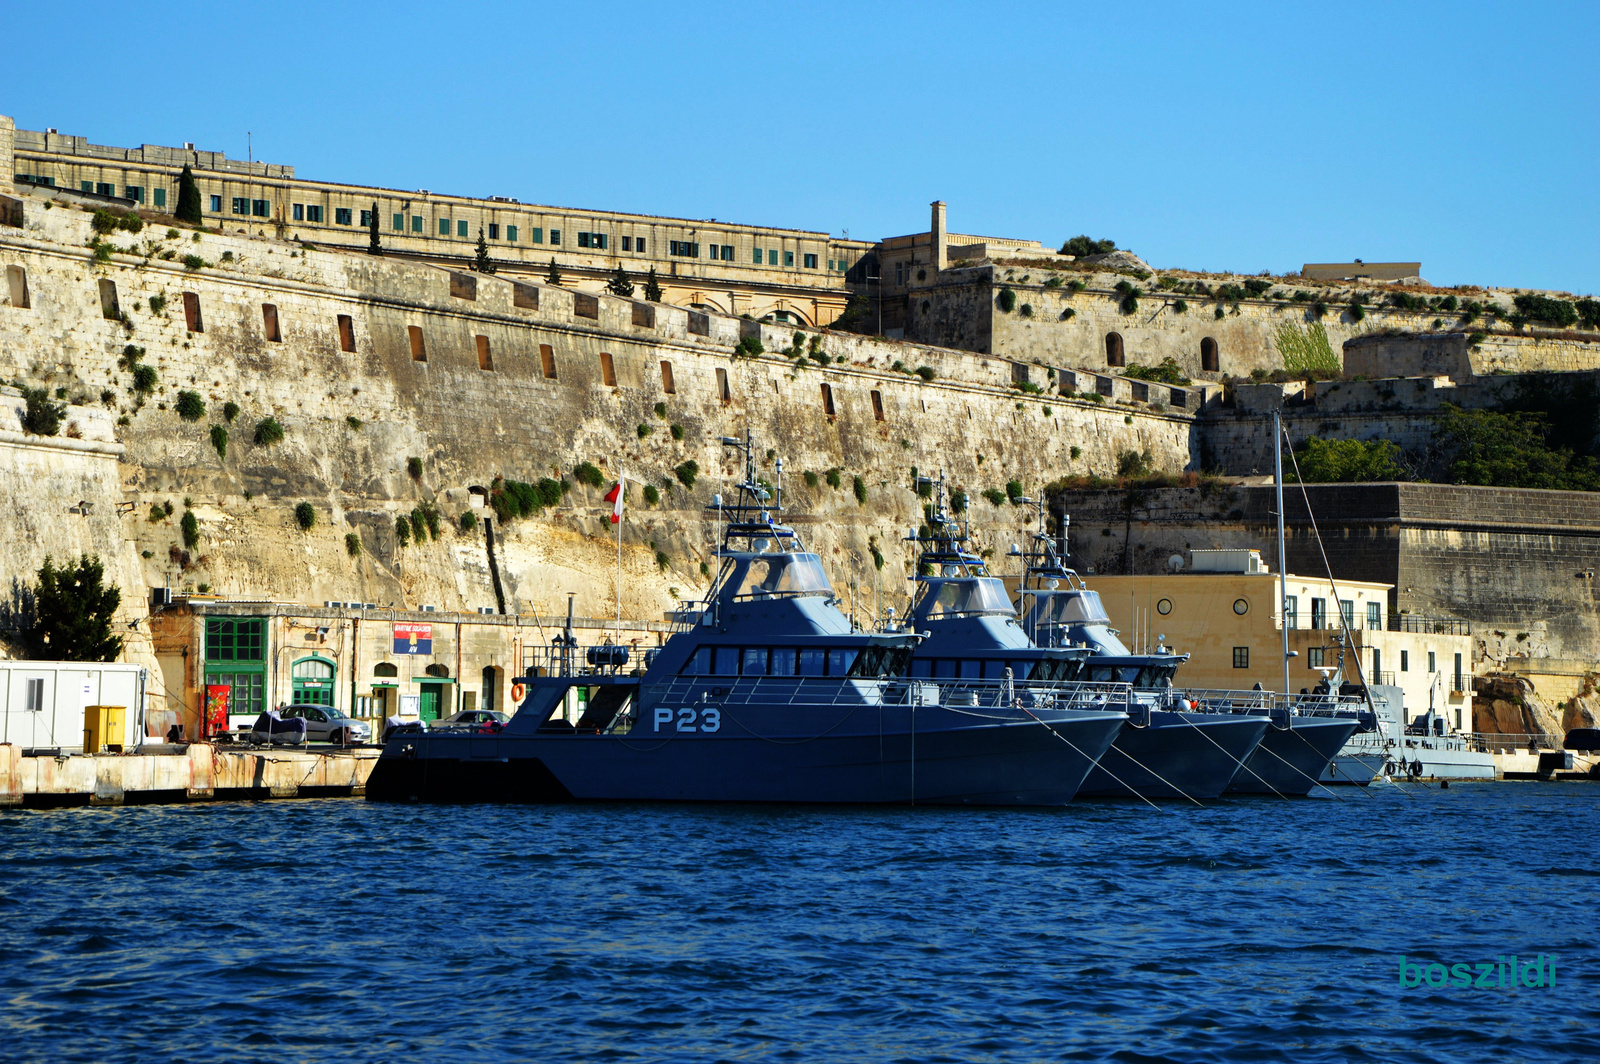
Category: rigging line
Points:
column 1296, row 768
column 1236, row 761
column 1152, row 772
column 1094, row 762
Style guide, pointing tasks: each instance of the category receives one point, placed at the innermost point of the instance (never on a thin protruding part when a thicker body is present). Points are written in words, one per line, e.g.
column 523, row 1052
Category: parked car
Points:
column 324, row 724
column 476, row 716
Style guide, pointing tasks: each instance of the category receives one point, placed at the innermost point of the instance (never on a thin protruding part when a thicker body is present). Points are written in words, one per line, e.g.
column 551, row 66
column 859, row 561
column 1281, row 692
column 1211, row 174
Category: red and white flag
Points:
column 614, row 497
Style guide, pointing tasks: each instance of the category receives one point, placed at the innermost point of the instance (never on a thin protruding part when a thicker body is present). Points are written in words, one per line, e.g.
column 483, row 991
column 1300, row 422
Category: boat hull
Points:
column 872, row 754
column 1290, row 761
column 1179, row 755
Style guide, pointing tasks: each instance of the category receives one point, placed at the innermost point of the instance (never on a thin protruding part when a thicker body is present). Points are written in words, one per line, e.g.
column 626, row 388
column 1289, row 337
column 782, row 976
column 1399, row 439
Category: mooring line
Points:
column 1094, row 762
column 1235, row 760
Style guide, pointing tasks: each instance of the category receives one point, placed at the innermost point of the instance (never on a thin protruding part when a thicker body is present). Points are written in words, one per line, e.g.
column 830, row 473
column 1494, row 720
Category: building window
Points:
column 17, row 286
column 191, row 313
column 419, row 352
column 269, row 323
column 772, row 256
column 105, row 188
column 1241, row 657
column 1208, row 355
column 666, row 378
column 627, row 243
column 236, row 640
column 877, row 405
column 399, row 223
column 416, row 223
column 366, row 219
column 511, row 233
column 547, row 361
column 485, row 360
column 1347, row 609
column 461, row 228
column 608, row 370
column 1377, row 665
column 757, row 253
column 160, row 195
column 246, row 696
column 1433, row 662
column 216, row 204
column 592, row 240
column 341, row 216
column 1319, row 613
column 723, row 392
column 1314, row 657
column 314, row 213
column 444, row 227
column 811, row 262
column 347, row 333
column 555, row 237
column 638, row 244
column 108, row 300
column 827, row 401
column 1405, row 660
column 788, row 258
column 261, row 208
column 727, row 252
column 133, row 192
column 1291, row 611
column 241, row 205
column 1115, row 354
column 299, row 212
column 535, row 235
column 1374, row 617
column 494, row 230
column 33, row 694
column 683, row 248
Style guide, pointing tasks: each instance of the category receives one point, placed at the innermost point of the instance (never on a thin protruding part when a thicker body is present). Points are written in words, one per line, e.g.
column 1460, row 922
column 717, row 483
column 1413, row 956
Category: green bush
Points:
column 219, row 440
column 833, row 479
column 352, row 544
column 748, row 347
column 1006, row 300
column 268, row 431
column 1013, row 490
column 588, row 473
column 305, row 515
column 859, row 486
column 994, row 495
column 1346, row 461
column 927, row 373
column 1027, row 310
column 190, row 406
column 661, row 411
column 190, row 525
column 1067, row 313
column 643, row 430
column 1080, row 246
column 1076, row 452
column 688, row 472
column 468, row 521
column 194, row 262
column 1589, row 313
column 109, row 221
column 652, row 495
column 158, row 304
column 811, row 479
column 157, row 514
column 354, row 422
column 1029, row 387
column 1550, row 311
column 1510, row 450
column 419, row 527
column 40, row 416
column 1306, row 349
column 1168, row 372
column 402, row 531
column 677, row 432
column 144, row 379
column 512, row 499
column 958, row 502
column 1180, row 306
column 230, row 410
column 414, row 468
column 1133, row 464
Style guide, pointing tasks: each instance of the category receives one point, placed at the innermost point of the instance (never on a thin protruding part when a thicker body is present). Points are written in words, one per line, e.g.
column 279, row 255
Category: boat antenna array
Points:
column 942, row 541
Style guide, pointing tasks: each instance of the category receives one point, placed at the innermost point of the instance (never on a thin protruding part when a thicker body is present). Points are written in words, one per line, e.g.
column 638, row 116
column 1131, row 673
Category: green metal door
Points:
column 313, row 681
column 432, row 697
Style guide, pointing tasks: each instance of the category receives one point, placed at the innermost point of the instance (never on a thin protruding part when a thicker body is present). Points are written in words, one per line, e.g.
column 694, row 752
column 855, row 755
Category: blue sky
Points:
column 1201, row 136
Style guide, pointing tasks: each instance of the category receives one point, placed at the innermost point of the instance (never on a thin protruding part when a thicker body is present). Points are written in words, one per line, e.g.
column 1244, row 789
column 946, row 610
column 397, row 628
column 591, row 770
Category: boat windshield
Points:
column 1069, row 607
column 983, row 594
column 779, row 574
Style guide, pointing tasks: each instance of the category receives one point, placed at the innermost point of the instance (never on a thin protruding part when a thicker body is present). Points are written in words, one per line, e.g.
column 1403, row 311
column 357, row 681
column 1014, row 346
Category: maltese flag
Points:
column 614, row 497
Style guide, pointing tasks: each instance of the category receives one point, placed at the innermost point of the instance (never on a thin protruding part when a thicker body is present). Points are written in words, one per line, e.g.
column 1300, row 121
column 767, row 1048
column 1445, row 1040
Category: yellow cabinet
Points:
column 103, row 726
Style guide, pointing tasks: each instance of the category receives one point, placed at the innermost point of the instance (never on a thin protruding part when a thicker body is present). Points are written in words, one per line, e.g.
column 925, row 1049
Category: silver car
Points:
column 325, row 724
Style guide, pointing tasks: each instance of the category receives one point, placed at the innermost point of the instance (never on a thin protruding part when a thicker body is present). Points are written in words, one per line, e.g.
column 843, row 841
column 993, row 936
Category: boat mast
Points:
column 1283, row 569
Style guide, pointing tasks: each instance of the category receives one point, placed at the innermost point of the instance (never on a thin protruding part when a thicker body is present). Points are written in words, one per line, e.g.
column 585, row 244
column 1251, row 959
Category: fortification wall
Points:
column 957, row 308
column 1454, row 354
column 469, row 424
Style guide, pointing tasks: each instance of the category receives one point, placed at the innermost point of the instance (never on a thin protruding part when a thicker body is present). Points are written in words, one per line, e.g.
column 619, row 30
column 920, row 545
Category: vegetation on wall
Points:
column 512, row 498
column 1305, row 349
column 688, row 472
column 1323, row 461
column 268, row 431
column 219, row 440
column 1168, row 372
column 1006, row 300
column 1557, row 312
column 305, row 515
column 190, row 406
column 41, row 416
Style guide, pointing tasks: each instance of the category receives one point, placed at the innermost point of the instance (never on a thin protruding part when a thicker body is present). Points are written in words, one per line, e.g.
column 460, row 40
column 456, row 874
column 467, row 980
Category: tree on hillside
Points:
column 480, row 261
column 857, row 316
column 1079, row 246
column 374, row 246
column 73, row 613
column 554, row 276
column 652, row 287
column 188, row 197
column 619, row 285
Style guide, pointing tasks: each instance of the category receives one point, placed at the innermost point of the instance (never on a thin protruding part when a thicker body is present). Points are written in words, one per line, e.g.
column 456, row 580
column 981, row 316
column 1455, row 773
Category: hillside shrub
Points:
column 994, row 495
column 305, row 515
column 219, row 440
column 144, row 379
column 1345, row 461
column 230, row 410
column 1006, row 300
column 1168, row 372
column 41, row 416
column 190, row 406
column 190, row 526
column 352, row 544
column 687, row 473
column 859, row 487
column 1557, row 312
column 268, row 432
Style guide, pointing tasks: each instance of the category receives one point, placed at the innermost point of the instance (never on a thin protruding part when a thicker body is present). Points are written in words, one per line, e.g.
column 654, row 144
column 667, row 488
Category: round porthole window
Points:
column 1164, row 607
column 1241, row 607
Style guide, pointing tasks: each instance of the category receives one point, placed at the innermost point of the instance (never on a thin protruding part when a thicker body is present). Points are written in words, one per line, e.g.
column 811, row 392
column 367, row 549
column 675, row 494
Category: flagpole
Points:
column 622, row 490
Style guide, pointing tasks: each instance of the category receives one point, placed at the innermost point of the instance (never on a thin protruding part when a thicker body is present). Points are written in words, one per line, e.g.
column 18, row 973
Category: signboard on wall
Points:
column 411, row 638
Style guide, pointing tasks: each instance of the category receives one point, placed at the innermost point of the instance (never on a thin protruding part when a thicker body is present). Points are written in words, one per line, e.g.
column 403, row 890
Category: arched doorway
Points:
column 313, row 680
column 1114, row 352
column 1208, row 355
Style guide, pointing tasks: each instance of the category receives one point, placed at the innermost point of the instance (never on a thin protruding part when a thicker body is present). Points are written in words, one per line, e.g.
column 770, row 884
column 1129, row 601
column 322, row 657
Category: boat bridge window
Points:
column 986, row 594
column 1070, row 607
column 797, row 661
column 983, row 669
column 781, row 574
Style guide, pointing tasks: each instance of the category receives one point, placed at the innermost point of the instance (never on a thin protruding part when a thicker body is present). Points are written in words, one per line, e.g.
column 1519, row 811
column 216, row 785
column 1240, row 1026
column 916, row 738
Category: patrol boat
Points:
column 767, row 694
column 1171, row 747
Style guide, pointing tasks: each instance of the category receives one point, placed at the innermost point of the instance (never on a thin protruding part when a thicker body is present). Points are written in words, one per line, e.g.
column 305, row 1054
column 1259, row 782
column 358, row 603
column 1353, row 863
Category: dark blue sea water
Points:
column 1249, row 930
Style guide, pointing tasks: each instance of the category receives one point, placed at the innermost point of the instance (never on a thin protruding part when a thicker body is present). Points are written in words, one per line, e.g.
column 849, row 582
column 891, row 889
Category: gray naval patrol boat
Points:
column 1171, row 747
column 767, row 694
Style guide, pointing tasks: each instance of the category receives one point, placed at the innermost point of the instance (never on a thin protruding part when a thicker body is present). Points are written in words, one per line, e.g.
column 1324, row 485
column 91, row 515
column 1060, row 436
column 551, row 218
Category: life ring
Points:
column 519, row 691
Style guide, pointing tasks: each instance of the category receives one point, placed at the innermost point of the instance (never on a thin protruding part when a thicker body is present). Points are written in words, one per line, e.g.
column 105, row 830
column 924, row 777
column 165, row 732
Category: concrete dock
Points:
column 196, row 772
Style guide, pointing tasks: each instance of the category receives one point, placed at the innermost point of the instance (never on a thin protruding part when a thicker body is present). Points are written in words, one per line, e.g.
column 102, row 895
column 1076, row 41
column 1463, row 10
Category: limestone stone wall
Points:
column 1454, row 354
column 474, row 410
